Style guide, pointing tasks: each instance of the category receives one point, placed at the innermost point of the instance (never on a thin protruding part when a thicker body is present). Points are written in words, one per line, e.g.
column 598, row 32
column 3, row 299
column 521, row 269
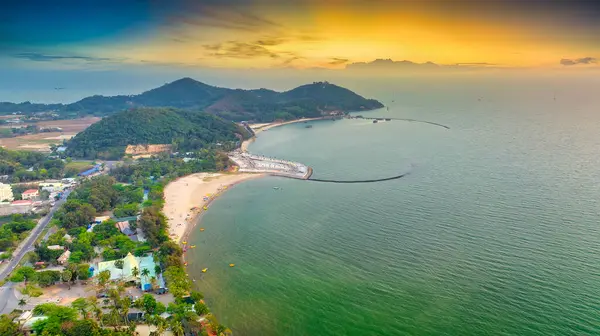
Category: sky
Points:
column 41, row 36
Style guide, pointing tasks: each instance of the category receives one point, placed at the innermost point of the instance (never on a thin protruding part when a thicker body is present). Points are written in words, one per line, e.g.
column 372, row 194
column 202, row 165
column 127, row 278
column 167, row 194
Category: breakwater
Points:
column 359, row 181
column 404, row 119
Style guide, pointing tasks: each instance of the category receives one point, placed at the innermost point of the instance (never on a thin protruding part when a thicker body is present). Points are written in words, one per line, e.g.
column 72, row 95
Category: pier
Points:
column 250, row 163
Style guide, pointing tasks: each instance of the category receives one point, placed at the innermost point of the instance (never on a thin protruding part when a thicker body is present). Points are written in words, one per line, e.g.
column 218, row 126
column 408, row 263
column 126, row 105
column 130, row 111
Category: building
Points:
column 51, row 186
column 126, row 274
column 6, row 193
column 22, row 202
column 55, row 247
column 30, row 194
column 125, row 228
column 64, row 257
column 90, row 171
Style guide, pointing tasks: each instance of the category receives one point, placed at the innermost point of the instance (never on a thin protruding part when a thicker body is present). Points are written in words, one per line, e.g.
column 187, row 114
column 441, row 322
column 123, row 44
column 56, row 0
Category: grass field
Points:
column 41, row 142
column 79, row 165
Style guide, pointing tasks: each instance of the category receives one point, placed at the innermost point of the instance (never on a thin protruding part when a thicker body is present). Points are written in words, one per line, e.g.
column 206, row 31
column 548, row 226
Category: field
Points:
column 79, row 165
column 41, row 142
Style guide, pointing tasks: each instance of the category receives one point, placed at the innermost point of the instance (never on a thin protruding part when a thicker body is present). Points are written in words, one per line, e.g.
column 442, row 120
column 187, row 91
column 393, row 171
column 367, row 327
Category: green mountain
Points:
column 186, row 130
column 262, row 105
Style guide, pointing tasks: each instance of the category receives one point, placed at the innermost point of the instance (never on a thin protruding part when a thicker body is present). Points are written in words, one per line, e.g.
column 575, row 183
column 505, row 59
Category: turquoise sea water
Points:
column 494, row 232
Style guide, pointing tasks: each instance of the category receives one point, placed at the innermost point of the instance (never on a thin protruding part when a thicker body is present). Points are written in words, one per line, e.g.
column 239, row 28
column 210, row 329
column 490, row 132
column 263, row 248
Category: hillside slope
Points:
column 184, row 129
column 260, row 105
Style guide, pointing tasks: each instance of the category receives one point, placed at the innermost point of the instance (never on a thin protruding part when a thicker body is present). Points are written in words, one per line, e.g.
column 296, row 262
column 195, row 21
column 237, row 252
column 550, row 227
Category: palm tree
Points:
column 176, row 327
column 22, row 302
column 93, row 302
column 145, row 273
column 135, row 272
column 153, row 282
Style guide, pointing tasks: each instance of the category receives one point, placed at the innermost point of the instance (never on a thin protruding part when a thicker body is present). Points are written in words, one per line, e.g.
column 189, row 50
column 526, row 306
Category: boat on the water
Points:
column 193, row 246
column 308, row 126
column 201, row 229
column 231, row 265
column 276, row 188
column 375, row 121
column 204, row 270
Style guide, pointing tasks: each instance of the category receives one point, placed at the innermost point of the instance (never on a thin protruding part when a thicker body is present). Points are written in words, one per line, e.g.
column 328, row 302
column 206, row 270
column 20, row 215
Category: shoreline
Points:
column 186, row 198
column 266, row 127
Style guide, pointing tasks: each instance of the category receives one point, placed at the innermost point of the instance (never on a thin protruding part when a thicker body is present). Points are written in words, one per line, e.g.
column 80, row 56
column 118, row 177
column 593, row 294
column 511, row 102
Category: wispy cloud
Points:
column 222, row 17
column 584, row 60
column 338, row 61
column 39, row 57
column 237, row 49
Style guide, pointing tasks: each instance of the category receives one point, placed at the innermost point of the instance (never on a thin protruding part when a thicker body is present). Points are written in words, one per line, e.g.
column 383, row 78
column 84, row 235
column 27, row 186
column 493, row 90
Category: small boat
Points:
column 193, row 246
column 185, row 264
column 184, row 242
column 231, row 265
column 308, row 126
column 201, row 229
column 375, row 121
column 204, row 270
column 276, row 188
column 205, row 208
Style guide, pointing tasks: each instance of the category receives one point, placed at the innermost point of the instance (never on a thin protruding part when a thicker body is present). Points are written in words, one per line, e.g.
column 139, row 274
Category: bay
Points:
column 493, row 232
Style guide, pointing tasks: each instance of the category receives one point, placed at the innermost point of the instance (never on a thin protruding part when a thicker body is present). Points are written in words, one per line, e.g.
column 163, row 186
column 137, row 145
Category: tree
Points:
column 66, row 277
column 201, row 308
column 83, row 271
column 22, row 302
column 145, row 273
column 176, row 327
column 8, row 327
column 82, row 305
column 148, row 303
column 103, row 278
column 119, row 264
column 157, row 269
column 135, row 272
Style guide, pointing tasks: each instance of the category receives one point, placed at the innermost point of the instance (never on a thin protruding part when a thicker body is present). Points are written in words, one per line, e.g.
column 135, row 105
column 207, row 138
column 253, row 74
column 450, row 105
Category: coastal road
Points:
column 30, row 241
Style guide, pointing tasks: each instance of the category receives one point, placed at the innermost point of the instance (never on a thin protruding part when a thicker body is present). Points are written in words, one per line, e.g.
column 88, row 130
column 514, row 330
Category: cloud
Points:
column 388, row 64
column 222, row 17
column 338, row 61
column 39, row 57
column 584, row 60
column 237, row 49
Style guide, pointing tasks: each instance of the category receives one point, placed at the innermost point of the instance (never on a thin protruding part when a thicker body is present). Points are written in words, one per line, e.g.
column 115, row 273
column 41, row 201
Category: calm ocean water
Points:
column 494, row 232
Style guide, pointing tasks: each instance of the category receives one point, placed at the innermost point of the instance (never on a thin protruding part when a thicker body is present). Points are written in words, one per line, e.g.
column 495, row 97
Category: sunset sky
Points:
column 298, row 34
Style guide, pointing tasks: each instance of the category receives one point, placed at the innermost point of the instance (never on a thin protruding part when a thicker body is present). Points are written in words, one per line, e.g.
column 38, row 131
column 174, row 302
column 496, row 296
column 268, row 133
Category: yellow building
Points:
column 6, row 193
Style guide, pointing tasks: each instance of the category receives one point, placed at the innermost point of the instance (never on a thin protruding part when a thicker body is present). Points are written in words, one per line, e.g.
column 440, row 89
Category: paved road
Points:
column 8, row 299
column 30, row 241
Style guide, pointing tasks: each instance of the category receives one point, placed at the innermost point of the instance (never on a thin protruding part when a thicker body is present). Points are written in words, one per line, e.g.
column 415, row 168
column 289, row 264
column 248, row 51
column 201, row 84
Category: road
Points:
column 35, row 233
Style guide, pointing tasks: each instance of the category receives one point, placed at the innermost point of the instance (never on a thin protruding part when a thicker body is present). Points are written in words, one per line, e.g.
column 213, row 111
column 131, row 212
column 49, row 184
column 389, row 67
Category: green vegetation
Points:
column 141, row 172
column 185, row 130
column 16, row 164
column 261, row 105
column 13, row 232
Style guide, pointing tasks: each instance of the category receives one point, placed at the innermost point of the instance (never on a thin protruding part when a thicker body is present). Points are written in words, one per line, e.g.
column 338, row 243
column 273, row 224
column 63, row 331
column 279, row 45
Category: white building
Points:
column 6, row 193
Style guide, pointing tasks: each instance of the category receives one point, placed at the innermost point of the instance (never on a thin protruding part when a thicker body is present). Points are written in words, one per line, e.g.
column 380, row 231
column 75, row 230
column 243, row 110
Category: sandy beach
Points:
column 186, row 198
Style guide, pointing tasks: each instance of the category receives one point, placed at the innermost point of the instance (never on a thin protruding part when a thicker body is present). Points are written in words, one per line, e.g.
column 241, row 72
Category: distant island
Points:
column 260, row 105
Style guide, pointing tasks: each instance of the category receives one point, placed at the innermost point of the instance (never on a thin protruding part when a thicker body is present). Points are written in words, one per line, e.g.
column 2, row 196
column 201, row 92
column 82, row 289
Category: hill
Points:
column 183, row 129
column 260, row 105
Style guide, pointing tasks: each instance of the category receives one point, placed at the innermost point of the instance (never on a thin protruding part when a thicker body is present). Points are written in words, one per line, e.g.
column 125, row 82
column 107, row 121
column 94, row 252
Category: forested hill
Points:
column 260, row 105
column 184, row 129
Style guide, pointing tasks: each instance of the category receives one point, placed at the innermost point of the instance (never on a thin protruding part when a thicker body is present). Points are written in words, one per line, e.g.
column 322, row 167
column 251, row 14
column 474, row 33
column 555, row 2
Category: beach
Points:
column 186, row 197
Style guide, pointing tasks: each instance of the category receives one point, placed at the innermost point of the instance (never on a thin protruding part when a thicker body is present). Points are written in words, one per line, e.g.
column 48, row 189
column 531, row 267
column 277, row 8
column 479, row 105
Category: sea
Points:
column 494, row 231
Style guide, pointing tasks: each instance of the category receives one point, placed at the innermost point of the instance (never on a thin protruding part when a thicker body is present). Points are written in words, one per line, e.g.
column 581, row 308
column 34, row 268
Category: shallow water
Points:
column 493, row 232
